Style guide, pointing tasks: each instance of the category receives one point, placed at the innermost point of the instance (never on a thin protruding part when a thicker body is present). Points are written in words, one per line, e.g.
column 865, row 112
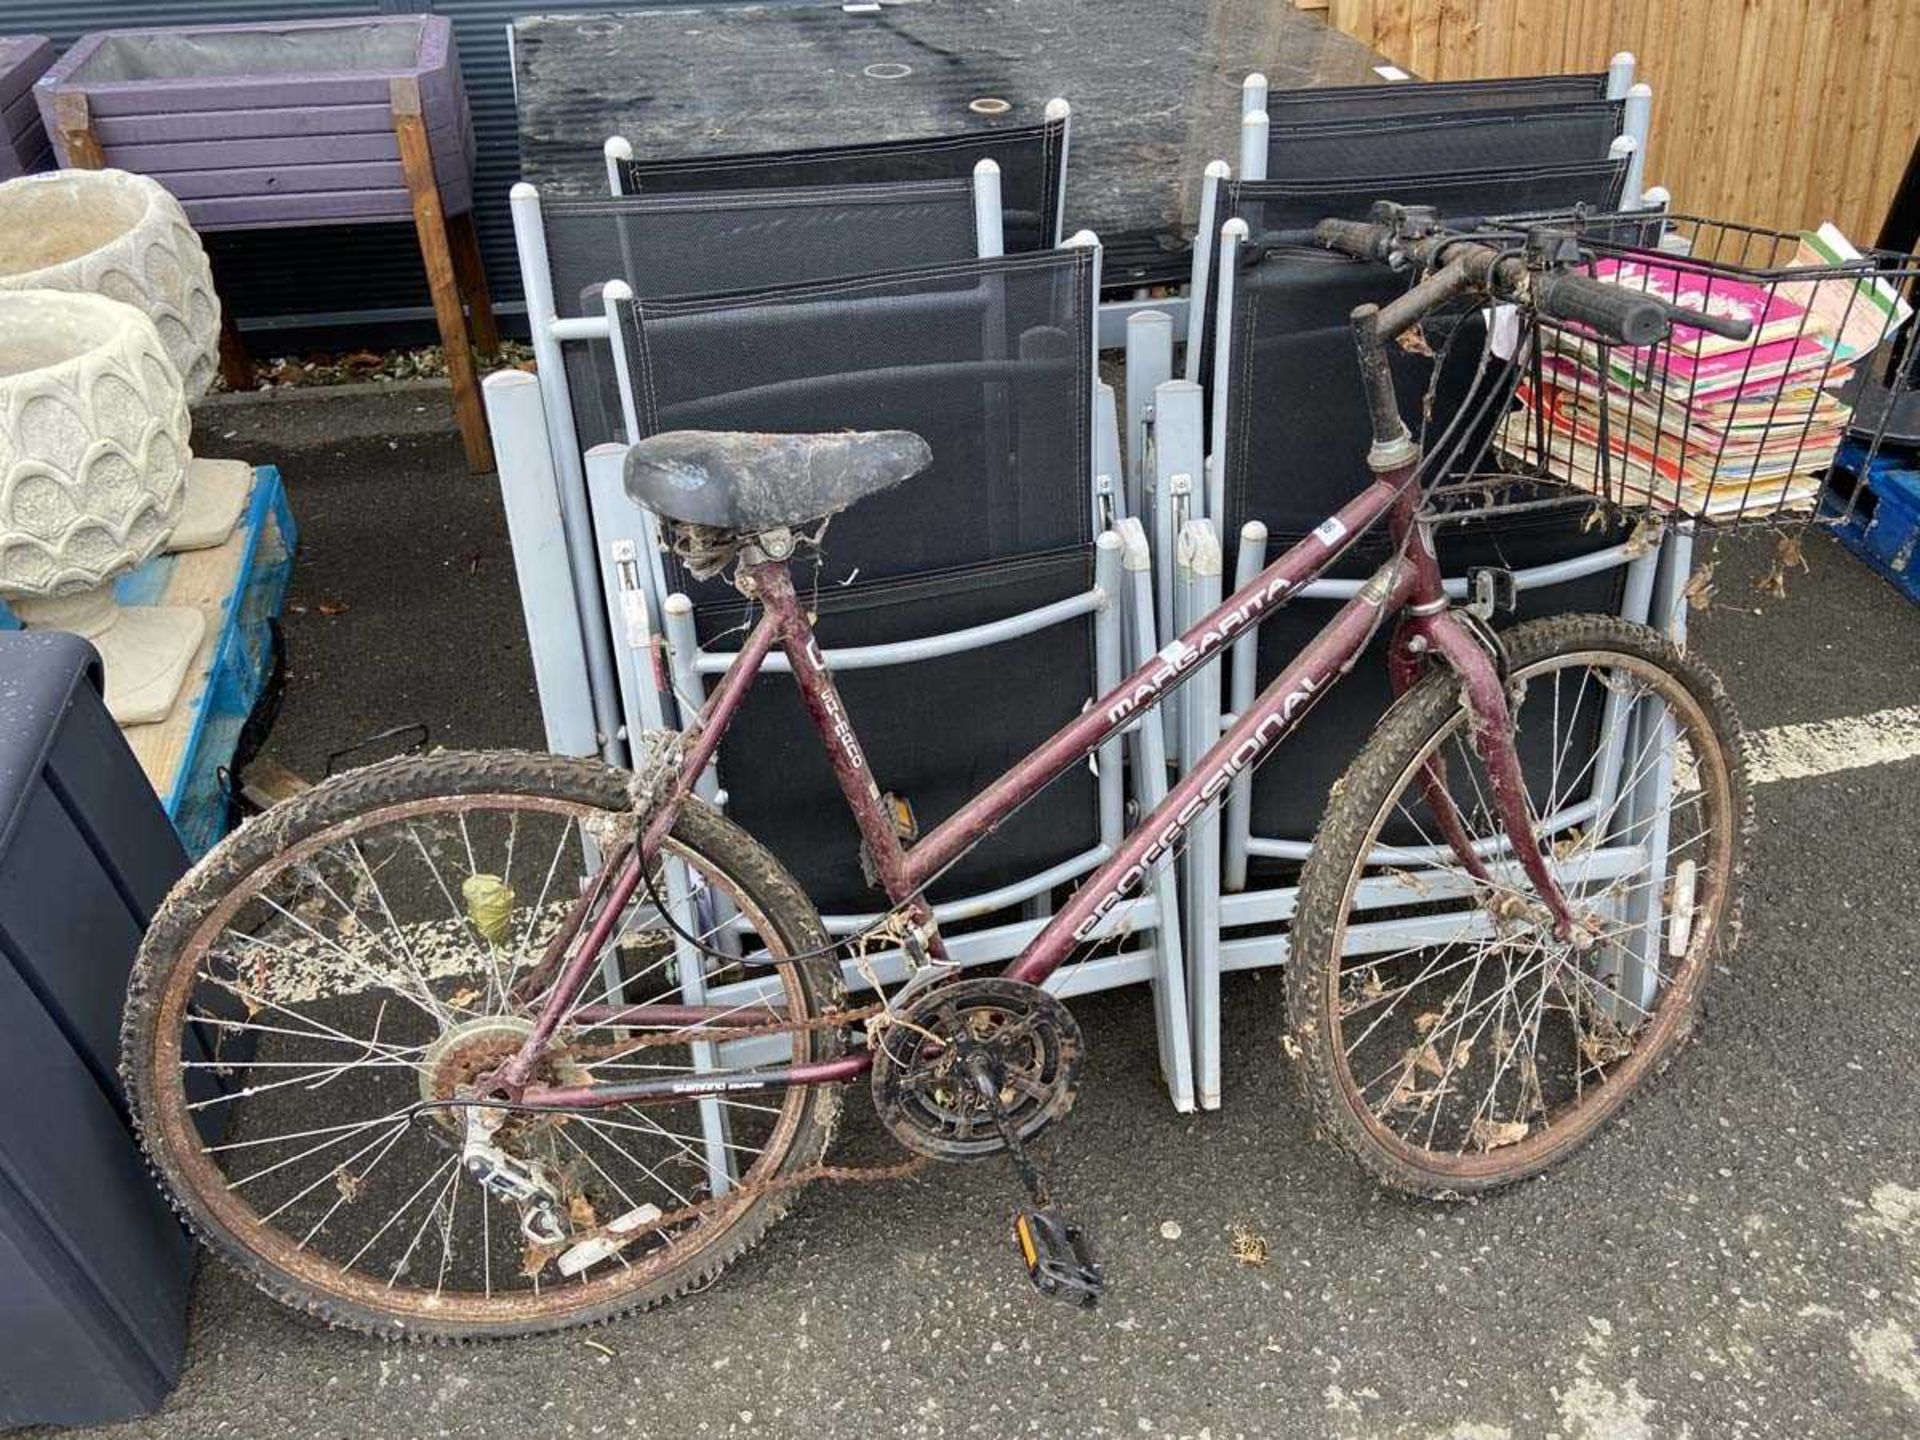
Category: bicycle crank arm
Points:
column 676, row 1090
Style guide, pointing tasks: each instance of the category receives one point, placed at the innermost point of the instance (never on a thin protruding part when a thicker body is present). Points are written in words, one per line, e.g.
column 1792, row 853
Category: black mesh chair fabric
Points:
column 1281, row 211
column 1297, row 432
column 1030, row 158
column 1425, row 143
column 1290, row 794
column 989, row 360
column 1462, row 197
column 1431, row 97
column 935, row 731
column 717, row 242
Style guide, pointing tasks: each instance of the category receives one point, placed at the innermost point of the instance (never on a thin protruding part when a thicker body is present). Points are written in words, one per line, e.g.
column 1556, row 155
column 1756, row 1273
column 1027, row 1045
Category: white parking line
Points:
column 1793, row 752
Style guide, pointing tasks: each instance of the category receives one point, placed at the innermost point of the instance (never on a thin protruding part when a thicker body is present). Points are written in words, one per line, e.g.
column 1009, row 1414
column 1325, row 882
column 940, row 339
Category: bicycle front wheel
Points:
column 1447, row 1038
column 364, row 948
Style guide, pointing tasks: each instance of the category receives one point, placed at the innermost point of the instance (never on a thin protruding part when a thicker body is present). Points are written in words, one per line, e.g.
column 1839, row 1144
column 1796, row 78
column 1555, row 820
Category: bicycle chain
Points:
column 720, row 1034
column 750, row 1190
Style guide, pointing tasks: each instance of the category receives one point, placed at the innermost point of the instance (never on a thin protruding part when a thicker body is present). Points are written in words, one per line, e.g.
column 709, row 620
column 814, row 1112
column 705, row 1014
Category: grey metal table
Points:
column 1154, row 84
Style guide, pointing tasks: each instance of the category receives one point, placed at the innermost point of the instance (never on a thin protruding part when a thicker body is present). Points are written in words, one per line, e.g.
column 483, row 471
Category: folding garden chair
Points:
column 671, row 245
column 1032, row 161
column 1263, row 108
column 1291, row 436
column 1004, row 568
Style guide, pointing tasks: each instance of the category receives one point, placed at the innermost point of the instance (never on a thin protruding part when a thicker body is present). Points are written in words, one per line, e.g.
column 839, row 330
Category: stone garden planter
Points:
column 93, row 463
column 110, row 233
column 106, row 232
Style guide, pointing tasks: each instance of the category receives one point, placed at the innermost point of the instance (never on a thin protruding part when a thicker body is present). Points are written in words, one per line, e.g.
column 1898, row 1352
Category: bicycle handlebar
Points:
column 1629, row 317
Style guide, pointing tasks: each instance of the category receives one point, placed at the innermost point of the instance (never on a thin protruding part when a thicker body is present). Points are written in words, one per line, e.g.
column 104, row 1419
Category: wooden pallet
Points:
column 240, row 586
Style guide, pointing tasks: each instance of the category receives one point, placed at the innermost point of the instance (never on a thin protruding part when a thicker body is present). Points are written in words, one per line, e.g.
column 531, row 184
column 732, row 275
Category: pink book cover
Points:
column 1701, row 376
column 1772, row 315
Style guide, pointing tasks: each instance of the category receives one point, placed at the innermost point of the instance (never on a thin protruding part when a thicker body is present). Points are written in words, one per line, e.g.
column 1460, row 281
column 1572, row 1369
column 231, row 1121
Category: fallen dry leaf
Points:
column 333, row 607
column 580, row 1210
column 1415, row 343
column 1787, row 555
column 1249, row 1248
column 463, row 999
column 348, row 1184
column 1699, row 591
column 1492, row 1134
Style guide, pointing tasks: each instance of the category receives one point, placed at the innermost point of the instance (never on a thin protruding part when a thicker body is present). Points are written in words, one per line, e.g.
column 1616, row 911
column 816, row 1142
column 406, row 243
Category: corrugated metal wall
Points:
column 270, row 279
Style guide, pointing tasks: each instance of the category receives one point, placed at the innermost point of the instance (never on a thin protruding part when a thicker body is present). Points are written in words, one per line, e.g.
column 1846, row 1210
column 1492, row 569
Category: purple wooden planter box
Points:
column 23, row 140
column 269, row 124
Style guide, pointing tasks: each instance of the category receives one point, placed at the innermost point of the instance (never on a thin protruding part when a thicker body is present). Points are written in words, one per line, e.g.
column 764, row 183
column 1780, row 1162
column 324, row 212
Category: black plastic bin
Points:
column 93, row 1268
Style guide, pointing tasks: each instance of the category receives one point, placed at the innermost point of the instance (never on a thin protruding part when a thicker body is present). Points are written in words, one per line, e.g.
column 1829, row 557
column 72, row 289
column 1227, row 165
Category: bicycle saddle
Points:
column 748, row 483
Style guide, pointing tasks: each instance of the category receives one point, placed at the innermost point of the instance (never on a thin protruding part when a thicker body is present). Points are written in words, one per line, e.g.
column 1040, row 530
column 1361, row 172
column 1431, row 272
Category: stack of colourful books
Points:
column 1701, row 424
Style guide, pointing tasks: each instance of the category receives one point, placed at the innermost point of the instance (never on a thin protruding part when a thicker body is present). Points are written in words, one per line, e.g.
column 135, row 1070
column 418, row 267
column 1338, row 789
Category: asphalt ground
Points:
column 1740, row 1255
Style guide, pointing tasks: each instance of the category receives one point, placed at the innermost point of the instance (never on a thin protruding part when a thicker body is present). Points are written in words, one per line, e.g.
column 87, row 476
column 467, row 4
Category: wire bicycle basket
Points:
column 1698, row 426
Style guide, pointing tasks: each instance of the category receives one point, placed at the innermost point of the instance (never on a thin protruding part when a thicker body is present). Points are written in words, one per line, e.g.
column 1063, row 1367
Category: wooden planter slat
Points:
column 293, row 107
column 275, row 123
column 185, row 157
column 259, row 140
column 23, row 139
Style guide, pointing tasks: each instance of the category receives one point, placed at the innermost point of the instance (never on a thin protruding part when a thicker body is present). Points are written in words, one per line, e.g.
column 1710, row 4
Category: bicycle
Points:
column 425, row 970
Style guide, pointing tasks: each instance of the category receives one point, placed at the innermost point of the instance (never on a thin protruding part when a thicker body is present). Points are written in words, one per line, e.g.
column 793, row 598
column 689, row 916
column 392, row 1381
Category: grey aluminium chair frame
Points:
column 664, row 670
column 583, row 699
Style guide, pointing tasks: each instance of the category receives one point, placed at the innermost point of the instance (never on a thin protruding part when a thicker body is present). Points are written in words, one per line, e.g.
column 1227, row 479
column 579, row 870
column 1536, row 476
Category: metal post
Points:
column 1200, row 564
column 1058, row 109
column 1625, row 147
column 1620, row 75
column 536, row 279
column 1232, row 234
column 1179, row 460
column 1150, row 780
column 1091, row 240
column 1108, row 629
column 615, row 296
column 1253, row 94
column 683, row 669
column 1212, row 183
column 1109, row 495
column 530, row 495
column 1253, row 145
column 1638, row 123
column 1645, row 813
column 1149, row 362
column 989, row 213
column 1248, row 562
column 618, row 151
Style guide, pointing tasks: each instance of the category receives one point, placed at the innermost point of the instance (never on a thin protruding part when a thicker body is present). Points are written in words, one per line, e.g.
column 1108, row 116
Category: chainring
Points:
column 920, row 1075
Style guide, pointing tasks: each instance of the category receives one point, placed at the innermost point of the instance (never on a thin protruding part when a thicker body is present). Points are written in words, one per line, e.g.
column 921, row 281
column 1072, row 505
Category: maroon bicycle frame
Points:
column 1409, row 585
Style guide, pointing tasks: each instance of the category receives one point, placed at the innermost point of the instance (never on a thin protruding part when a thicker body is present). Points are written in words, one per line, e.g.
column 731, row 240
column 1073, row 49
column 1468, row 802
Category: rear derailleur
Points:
column 978, row 1067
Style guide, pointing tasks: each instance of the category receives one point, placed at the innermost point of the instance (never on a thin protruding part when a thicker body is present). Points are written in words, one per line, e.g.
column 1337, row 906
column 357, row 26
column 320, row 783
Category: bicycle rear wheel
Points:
column 356, row 951
column 1447, row 1039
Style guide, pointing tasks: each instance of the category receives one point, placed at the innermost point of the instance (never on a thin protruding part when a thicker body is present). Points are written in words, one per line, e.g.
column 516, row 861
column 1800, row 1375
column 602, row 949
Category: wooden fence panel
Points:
column 1775, row 112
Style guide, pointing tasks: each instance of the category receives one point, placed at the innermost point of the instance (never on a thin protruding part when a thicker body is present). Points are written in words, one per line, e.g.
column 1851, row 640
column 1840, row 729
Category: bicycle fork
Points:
column 1491, row 724
column 1430, row 626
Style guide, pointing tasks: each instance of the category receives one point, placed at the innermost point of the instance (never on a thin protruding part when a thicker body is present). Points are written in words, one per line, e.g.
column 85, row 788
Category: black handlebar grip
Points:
column 1623, row 315
column 1354, row 237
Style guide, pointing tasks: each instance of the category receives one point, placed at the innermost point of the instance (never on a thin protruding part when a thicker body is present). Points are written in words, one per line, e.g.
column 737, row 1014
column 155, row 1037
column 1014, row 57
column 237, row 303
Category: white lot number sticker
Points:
column 1330, row 531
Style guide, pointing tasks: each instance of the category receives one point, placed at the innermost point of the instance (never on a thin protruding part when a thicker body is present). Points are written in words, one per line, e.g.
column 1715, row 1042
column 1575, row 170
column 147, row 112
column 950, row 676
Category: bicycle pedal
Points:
column 1059, row 1261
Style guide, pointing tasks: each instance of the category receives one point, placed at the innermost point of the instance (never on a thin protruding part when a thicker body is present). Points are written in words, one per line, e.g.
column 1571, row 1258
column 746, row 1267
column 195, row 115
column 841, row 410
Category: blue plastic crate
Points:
column 1881, row 524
